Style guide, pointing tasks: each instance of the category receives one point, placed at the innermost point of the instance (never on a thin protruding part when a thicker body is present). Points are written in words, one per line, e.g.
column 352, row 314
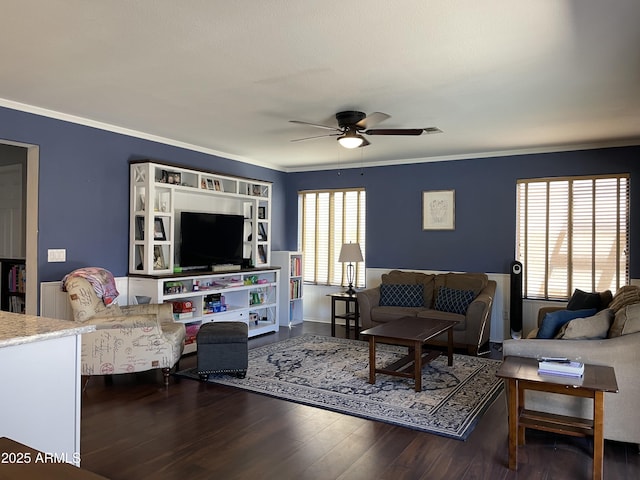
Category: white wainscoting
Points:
column 317, row 306
column 55, row 304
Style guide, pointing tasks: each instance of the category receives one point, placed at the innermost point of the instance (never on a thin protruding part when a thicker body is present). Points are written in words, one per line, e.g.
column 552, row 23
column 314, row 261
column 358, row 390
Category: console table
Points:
column 522, row 374
column 348, row 315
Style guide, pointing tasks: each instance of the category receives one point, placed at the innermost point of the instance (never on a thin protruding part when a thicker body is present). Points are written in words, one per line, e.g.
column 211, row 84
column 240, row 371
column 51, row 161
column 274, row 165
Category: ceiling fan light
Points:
column 351, row 140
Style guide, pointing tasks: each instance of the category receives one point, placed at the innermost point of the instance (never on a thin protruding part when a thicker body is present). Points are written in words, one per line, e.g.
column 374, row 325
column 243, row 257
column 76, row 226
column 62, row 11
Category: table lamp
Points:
column 350, row 252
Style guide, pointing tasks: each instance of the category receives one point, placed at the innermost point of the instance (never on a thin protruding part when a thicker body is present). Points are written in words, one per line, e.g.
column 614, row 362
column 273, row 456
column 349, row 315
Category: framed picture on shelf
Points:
column 218, row 185
column 438, row 210
column 262, row 232
column 158, row 230
column 139, row 228
column 209, row 184
column 140, row 258
column 262, row 254
column 262, row 213
column 158, row 258
column 175, row 178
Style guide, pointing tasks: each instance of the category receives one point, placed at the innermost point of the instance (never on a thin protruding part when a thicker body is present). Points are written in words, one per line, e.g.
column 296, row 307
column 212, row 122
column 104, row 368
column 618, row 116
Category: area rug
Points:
column 332, row 373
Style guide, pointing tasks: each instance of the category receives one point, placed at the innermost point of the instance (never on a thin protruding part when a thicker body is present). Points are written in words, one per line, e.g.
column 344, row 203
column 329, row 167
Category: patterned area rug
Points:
column 332, row 373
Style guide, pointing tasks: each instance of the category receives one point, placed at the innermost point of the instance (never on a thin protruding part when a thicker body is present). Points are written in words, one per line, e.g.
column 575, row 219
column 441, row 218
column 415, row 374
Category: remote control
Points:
column 555, row 359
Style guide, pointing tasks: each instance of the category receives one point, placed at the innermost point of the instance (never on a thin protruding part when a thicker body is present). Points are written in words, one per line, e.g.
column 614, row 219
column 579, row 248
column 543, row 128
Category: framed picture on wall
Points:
column 438, row 210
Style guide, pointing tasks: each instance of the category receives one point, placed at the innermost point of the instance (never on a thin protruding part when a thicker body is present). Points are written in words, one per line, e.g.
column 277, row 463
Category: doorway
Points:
column 20, row 235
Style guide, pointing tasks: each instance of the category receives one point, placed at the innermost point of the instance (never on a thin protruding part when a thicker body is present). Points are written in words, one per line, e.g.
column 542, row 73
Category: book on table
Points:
column 560, row 366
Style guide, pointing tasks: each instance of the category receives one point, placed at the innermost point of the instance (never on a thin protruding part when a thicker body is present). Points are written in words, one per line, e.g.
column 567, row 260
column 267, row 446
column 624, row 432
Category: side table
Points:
column 522, row 374
column 348, row 315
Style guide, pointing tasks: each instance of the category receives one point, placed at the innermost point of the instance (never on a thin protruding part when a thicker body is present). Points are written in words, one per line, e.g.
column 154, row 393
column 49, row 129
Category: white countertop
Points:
column 16, row 329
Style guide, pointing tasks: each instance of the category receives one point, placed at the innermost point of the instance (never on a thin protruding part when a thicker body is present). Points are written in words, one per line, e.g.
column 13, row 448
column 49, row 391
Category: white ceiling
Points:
column 225, row 77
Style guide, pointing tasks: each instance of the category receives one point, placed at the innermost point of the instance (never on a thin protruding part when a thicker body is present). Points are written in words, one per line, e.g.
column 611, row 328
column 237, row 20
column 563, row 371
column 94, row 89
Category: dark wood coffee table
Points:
column 411, row 332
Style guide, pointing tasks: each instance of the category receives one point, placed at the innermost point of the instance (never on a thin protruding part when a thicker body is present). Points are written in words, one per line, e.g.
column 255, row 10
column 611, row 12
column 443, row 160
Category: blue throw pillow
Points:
column 553, row 321
column 453, row 301
column 401, row 295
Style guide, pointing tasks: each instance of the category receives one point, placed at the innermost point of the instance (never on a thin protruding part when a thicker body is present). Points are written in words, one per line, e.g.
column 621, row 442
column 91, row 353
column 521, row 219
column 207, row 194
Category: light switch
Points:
column 57, row 255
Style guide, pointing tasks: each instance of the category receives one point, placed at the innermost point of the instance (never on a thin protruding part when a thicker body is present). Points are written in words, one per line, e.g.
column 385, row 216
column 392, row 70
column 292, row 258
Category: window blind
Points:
column 328, row 219
column 573, row 232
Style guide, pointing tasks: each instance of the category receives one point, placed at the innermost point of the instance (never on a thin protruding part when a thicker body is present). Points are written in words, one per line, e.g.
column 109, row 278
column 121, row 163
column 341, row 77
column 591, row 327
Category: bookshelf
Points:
column 291, row 289
column 12, row 285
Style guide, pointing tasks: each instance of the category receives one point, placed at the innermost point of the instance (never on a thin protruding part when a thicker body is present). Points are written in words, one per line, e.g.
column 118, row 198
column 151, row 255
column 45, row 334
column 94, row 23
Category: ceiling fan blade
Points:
column 317, row 136
column 395, row 131
column 372, row 119
column 365, row 142
column 317, row 125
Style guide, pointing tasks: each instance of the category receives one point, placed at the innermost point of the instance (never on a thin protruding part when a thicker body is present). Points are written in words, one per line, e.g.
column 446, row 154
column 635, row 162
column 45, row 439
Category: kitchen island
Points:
column 40, row 383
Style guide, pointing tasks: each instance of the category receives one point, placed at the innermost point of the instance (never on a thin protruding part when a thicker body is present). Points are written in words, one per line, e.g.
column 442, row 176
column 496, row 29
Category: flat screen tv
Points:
column 208, row 239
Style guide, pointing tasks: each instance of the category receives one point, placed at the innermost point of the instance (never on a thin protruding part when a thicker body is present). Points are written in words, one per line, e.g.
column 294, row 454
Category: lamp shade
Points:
column 351, row 139
column 350, row 252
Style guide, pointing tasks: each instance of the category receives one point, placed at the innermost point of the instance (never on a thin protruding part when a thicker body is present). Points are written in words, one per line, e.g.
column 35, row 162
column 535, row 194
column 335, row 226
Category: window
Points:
column 329, row 218
column 573, row 232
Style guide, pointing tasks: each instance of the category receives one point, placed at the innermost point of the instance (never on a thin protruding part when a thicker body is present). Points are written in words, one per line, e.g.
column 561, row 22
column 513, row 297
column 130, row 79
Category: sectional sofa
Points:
column 610, row 337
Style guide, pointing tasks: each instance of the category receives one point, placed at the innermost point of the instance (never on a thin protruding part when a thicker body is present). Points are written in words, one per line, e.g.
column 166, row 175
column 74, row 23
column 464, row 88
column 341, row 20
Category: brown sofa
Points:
column 474, row 321
column 591, row 342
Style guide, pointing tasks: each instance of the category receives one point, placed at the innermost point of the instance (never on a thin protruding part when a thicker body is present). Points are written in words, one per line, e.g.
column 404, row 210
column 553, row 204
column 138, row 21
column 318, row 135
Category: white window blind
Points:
column 573, row 232
column 329, row 218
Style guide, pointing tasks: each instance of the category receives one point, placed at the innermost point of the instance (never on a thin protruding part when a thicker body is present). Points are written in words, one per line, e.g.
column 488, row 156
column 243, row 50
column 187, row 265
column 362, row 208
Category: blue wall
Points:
column 84, row 188
column 84, row 198
column 485, row 210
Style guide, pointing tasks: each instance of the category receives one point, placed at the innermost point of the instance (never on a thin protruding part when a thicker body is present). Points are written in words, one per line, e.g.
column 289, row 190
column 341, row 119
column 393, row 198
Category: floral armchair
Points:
column 127, row 339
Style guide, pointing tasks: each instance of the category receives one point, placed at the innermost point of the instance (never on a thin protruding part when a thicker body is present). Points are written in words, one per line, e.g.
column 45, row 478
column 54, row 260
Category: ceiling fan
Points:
column 352, row 125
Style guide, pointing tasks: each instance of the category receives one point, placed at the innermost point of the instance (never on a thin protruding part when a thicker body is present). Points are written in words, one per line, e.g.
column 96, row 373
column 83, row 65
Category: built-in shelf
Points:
column 159, row 192
column 249, row 296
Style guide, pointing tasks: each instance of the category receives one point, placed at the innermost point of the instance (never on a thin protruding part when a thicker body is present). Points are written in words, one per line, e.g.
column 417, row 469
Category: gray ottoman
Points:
column 222, row 348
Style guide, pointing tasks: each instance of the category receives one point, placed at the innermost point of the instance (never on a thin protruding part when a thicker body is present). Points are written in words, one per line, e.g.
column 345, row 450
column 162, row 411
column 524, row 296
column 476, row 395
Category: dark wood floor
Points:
column 135, row 428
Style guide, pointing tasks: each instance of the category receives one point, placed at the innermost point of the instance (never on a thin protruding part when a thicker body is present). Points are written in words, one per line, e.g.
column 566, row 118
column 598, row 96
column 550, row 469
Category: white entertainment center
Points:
column 246, row 290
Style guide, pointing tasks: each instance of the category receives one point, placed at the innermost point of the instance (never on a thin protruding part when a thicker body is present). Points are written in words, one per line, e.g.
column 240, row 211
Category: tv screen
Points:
column 208, row 239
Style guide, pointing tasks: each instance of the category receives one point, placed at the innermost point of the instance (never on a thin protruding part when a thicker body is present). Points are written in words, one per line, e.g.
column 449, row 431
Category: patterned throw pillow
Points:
column 401, row 295
column 454, row 301
column 626, row 295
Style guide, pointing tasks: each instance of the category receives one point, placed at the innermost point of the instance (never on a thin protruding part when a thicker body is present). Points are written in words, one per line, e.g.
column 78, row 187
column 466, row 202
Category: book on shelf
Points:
column 295, row 288
column 560, row 366
column 16, row 280
column 296, row 266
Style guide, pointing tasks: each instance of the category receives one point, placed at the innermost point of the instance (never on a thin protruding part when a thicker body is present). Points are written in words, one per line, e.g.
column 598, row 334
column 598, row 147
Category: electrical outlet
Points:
column 57, row 255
